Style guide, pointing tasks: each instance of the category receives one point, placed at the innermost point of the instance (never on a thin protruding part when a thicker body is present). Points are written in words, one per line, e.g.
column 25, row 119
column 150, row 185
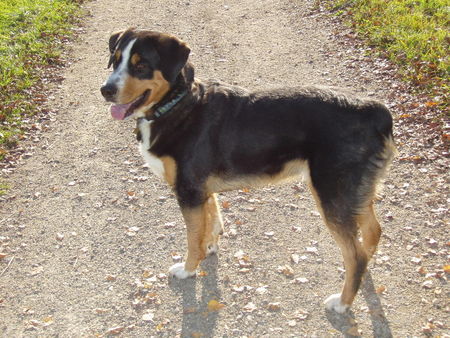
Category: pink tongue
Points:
column 118, row 111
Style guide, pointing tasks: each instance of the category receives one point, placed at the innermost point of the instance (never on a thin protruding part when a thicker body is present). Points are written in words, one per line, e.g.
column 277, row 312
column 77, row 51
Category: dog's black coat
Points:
column 228, row 131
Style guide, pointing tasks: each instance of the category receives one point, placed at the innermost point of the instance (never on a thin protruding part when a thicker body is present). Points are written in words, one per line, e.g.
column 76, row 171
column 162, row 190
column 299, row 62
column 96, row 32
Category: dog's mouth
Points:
column 122, row 111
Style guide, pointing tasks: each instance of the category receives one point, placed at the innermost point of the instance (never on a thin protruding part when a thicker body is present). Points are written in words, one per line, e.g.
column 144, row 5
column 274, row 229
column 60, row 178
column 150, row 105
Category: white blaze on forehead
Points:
column 120, row 73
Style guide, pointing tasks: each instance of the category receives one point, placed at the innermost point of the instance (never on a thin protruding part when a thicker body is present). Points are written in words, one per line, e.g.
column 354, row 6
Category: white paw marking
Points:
column 334, row 303
column 177, row 270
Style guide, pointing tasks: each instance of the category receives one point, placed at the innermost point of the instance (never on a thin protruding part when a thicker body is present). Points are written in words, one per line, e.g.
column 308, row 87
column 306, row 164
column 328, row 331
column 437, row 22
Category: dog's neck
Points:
column 178, row 98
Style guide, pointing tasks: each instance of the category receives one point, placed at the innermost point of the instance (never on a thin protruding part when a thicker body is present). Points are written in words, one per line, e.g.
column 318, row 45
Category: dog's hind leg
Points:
column 213, row 227
column 355, row 262
column 343, row 227
column 370, row 229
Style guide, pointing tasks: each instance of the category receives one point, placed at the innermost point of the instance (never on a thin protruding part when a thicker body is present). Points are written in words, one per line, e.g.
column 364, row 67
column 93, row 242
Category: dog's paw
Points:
column 177, row 270
column 333, row 303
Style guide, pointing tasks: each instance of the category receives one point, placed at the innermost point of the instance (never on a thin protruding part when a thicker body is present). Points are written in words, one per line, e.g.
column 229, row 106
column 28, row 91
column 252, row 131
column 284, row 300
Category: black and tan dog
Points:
column 209, row 137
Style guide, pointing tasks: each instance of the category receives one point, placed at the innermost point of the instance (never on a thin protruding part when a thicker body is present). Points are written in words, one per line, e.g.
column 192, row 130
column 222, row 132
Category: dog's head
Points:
column 145, row 66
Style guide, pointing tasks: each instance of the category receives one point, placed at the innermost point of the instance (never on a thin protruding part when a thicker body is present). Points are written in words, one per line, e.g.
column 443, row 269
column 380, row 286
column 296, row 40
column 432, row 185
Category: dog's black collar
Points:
column 165, row 108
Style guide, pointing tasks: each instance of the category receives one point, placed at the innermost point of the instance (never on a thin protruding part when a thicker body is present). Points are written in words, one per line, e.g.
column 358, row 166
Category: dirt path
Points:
column 89, row 233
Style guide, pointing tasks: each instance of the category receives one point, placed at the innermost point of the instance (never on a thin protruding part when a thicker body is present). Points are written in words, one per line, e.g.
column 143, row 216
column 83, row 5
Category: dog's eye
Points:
column 142, row 67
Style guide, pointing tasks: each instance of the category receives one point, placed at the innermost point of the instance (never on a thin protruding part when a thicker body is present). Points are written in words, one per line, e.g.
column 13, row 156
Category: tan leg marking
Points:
column 214, row 225
column 170, row 169
column 355, row 261
column 195, row 224
column 370, row 230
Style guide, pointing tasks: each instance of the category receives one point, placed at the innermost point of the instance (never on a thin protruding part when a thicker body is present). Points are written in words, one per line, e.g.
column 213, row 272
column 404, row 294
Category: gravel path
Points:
column 88, row 233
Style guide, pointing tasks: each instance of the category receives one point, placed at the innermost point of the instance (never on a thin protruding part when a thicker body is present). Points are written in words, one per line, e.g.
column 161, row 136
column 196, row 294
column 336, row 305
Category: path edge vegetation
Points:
column 32, row 38
column 413, row 34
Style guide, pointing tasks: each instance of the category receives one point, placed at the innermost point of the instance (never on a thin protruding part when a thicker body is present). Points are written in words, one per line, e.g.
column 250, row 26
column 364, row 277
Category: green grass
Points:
column 30, row 40
column 3, row 188
column 415, row 34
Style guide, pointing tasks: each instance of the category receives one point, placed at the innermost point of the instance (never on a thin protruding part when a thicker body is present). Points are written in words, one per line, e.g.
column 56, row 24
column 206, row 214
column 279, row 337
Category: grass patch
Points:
column 30, row 40
column 3, row 188
column 412, row 33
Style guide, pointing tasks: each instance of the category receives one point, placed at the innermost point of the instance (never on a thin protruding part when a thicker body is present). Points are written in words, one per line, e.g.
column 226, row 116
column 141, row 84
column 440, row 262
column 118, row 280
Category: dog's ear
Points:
column 113, row 40
column 173, row 55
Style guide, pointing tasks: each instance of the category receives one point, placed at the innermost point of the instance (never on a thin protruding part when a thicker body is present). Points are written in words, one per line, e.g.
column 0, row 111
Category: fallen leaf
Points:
column 214, row 305
column 286, row 270
column 48, row 320
column 2, row 255
column 100, row 310
column 191, row 309
column 421, row 270
column 110, row 278
column 447, row 269
column 380, row 289
column 353, row 331
column 202, row 273
column 274, row 307
column 225, row 205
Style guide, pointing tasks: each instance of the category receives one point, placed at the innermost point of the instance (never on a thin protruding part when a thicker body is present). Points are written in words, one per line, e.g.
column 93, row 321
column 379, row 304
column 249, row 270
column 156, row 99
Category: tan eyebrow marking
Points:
column 135, row 59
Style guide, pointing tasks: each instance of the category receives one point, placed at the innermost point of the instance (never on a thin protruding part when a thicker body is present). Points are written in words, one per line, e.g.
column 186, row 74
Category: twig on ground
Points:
column 10, row 261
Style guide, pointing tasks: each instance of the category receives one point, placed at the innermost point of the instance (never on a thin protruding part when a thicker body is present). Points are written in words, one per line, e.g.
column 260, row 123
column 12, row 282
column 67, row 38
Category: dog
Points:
column 209, row 137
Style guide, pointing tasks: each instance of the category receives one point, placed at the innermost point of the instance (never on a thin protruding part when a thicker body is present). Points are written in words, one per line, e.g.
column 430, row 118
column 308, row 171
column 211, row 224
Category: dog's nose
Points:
column 108, row 91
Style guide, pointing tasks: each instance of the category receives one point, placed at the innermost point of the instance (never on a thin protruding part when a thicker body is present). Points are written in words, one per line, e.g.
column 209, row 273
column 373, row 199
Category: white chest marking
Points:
column 154, row 162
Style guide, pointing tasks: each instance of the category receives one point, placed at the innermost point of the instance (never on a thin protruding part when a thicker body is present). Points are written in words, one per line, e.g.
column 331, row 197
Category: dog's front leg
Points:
column 195, row 219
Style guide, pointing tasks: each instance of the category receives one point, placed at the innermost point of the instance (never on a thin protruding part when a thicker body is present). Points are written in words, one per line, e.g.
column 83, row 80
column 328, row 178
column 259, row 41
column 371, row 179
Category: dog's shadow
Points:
column 198, row 319
column 346, row 323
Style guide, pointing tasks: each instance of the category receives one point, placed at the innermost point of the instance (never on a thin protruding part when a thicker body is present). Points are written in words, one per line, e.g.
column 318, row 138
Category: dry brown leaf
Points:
column 274, row 307
column 110, row 278
column 2, row 255
column 286, row 270
column 353, row 331
column 196, row 334
column 202, row 273
column 225, row 205
column 214, row 305
column 421, row 270
column 191, row 309
column 380, row 289
column 446, row 268
column 100, row 310
column 48, row 320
